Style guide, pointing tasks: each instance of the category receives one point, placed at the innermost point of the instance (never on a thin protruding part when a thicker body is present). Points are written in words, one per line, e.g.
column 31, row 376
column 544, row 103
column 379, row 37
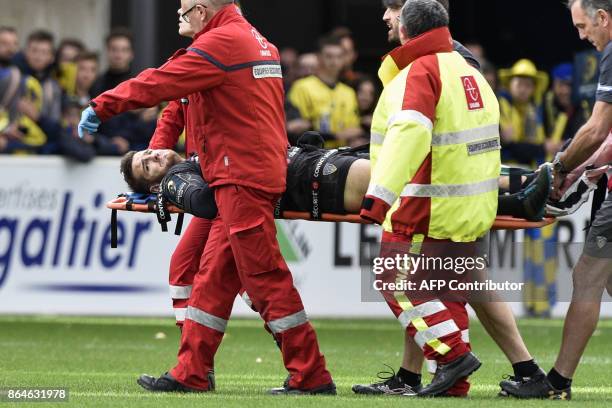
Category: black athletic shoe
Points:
column 536, row 386
column 166, row 383
column 327, row 389
column 535, row 195
column 392, row 384
column 448, row 374
column 510, row 380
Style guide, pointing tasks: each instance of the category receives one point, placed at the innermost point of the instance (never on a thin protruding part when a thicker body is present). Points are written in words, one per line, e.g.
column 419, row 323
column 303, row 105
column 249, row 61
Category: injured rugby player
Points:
column 318, row 181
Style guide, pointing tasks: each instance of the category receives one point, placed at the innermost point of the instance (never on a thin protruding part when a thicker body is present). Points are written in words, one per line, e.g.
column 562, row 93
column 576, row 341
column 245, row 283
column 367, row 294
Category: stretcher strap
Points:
column 316, row 183
column 278, row 208
column 179, row 224
column 114, row 229
column 163, row 215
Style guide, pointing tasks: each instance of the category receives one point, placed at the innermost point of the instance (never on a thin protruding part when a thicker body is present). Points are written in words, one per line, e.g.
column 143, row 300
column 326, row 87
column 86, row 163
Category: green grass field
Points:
column 99, row 359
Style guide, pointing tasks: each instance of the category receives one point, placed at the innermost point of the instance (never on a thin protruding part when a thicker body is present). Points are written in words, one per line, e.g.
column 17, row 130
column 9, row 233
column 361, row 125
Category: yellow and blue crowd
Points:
column 44, row 86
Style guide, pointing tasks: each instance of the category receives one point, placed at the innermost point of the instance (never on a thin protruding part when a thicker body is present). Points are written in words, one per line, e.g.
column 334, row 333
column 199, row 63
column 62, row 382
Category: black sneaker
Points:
column 534, row 196
column 327, row 389
column 509, row 380
column 536, row 386
column 167, row 383
column 448, row 374
column 392, row 384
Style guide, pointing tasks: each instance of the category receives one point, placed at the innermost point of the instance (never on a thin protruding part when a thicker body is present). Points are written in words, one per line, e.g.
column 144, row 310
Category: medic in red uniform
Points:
column 231, row 76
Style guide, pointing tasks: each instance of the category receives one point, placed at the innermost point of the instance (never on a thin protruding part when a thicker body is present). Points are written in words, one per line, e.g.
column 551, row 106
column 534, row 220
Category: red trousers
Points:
column 185, row 263
column 439, row 327
column 242, row 251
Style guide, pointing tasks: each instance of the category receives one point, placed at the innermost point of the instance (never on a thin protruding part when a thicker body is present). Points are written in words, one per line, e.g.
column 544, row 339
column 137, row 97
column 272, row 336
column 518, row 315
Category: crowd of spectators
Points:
column 43, row 89
column 325, row 93
column 538, row 115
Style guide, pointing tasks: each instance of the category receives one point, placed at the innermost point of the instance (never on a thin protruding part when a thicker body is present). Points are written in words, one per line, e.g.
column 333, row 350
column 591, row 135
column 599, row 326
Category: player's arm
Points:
column 184, row 187
column 407, row 142
column 169, row 127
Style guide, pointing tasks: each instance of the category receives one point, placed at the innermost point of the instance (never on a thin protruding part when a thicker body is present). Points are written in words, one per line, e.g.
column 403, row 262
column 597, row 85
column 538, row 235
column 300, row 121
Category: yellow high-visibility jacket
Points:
column 434, row 144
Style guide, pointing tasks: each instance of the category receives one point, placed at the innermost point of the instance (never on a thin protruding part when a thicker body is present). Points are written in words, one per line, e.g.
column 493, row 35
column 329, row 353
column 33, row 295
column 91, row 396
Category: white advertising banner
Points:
column 55, row 254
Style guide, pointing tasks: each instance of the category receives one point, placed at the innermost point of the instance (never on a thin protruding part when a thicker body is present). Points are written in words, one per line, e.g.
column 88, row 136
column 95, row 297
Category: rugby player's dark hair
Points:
column 136, row 185
column 399, row 3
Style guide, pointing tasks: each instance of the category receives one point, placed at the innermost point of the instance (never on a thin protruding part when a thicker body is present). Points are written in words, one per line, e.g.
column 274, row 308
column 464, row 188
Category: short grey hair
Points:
column 420, row 16
column 217, row 4
column 590, row 7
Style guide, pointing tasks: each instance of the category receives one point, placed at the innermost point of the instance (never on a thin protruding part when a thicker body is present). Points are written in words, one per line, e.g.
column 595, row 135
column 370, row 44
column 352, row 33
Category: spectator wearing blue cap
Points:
column 562, row 117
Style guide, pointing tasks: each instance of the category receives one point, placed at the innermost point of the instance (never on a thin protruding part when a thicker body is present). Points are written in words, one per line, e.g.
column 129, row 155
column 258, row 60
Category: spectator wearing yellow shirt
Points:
column 325, row 104
column 522, row 123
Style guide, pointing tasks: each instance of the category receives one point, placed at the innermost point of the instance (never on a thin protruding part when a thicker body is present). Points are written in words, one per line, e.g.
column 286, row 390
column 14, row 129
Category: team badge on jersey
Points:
column 329, row 169
column 601, row 242
column 472, row 93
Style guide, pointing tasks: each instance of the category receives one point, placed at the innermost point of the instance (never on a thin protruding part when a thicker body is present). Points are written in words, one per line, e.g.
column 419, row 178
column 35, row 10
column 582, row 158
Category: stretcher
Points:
column 149, row 204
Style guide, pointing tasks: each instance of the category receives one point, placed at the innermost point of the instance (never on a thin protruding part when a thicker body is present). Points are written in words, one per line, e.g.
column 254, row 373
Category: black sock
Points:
column 525, row 368
column 558, row 381
column 408, row 377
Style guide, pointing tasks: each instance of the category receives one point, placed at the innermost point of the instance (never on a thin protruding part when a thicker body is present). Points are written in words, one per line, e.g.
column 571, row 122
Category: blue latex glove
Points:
column 89, row 122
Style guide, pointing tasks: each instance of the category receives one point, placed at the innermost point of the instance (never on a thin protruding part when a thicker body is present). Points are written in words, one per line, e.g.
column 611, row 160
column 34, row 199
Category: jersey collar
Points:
column 226, row 15
column 430, row 42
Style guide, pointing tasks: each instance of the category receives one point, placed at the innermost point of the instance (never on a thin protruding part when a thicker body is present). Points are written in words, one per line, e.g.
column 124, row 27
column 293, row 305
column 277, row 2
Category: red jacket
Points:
column 170, row 126
column 232, row 78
